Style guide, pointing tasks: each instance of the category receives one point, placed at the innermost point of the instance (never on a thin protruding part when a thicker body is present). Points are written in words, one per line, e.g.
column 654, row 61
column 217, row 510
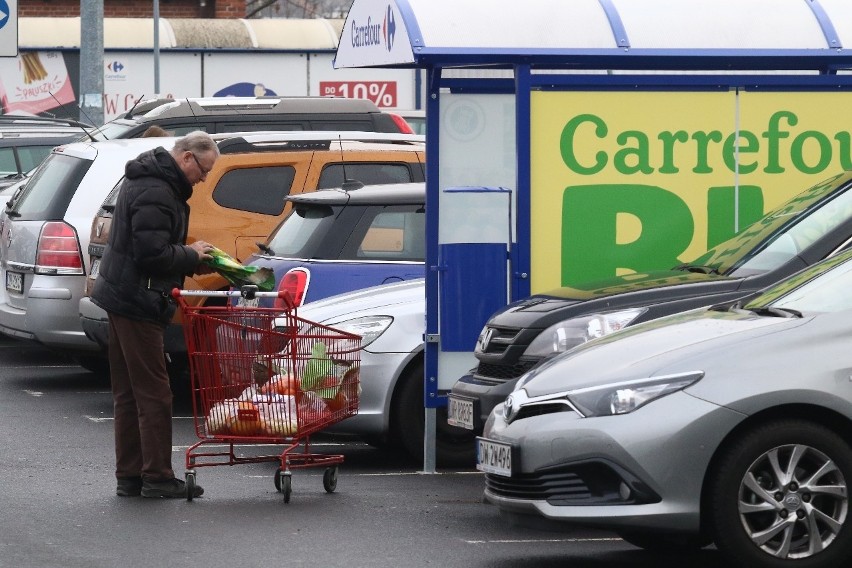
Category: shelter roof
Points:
column 595, row 34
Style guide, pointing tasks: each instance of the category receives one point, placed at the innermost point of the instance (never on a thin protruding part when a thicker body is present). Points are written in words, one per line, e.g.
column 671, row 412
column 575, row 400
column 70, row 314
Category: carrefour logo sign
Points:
column 375, row 33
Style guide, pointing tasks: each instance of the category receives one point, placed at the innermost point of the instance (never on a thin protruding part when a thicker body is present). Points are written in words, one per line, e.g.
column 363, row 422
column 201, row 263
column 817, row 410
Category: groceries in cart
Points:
column 280, row 396
column 239, row 275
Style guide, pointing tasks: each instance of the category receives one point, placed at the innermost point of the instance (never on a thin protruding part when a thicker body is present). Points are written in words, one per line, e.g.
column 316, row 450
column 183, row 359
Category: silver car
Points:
column 391, row 318
column 730, row 424
column 44, row 234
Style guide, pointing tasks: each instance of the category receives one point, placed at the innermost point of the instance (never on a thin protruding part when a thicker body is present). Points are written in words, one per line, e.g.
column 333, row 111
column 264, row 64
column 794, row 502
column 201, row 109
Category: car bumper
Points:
column 51, row 318
column 95, row 322
column 488, row 395
column 629, row 445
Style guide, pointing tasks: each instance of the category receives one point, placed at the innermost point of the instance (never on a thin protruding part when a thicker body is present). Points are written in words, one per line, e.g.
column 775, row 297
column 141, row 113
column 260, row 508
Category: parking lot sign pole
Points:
column 91, row 61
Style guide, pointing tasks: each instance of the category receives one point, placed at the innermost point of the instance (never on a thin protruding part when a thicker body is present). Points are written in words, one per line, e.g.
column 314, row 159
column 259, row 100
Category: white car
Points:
column 45, row 230
column 391, row 320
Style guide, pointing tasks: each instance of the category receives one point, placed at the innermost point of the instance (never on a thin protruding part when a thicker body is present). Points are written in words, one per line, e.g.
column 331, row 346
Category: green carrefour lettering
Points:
column 669, row 151
column 566, row 144
column 668, row 139
column 638, row 153
column 797, row 151
column 702, row 140
column 590, row 250
column 773, row 135
column 845, row 150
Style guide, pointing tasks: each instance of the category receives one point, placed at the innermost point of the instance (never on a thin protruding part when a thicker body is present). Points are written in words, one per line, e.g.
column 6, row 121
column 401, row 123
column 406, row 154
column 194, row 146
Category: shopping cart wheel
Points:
column 284, row 483
column 190, row 485
column 329, row 479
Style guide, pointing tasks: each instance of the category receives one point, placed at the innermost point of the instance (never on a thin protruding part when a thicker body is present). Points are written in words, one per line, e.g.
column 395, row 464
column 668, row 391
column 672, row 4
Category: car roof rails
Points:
column 26, row 120
column 299, row 140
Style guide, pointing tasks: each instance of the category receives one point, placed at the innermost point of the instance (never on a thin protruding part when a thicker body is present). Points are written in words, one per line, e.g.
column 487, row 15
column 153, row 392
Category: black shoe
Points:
column 172, row 489
column 128, row 486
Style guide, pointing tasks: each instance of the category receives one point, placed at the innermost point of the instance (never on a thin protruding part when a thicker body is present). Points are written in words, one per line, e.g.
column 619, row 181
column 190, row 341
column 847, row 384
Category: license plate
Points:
column 493, row 457
column 14, row 282
column 96, row 264
column 460, row 412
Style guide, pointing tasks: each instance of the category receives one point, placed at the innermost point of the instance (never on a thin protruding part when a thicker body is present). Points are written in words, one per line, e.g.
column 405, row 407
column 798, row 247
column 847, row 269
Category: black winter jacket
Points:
column 146, row 256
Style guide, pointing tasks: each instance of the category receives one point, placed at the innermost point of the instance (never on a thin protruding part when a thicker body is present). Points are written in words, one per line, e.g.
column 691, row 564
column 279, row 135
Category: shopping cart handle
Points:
column 249, row 292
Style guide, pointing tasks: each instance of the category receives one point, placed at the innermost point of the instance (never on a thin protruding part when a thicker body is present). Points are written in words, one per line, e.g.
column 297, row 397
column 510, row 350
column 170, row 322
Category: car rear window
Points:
column 302, row 232
column 388, row 233
column 49, row 191
column 258, row 190
column 368, row 173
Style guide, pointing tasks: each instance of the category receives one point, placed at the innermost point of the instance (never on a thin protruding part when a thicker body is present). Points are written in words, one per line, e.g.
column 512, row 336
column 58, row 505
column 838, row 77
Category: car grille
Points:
column 536, row 487
column 502, row 373
column 587, row 483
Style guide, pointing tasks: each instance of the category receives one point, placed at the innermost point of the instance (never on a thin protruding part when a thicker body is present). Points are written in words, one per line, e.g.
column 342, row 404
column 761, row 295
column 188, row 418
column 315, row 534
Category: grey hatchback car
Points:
column 730, row 424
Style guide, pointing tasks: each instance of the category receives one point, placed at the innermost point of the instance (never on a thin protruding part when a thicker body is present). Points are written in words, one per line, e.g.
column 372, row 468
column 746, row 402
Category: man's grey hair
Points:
column 197, row 142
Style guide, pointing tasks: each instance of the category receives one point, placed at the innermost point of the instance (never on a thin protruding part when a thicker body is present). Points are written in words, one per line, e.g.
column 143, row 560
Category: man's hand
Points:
column 203, row 249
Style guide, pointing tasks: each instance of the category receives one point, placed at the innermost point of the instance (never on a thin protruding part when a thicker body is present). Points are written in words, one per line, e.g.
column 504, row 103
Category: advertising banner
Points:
column 34, row 82
column 624, row 183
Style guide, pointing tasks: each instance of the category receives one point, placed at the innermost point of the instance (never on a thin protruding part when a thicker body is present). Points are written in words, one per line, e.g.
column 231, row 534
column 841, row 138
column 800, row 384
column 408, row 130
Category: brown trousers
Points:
column 142, row 400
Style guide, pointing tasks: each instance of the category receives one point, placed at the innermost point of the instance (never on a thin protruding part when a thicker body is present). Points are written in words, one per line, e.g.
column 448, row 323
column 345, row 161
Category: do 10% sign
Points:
column 383, row 93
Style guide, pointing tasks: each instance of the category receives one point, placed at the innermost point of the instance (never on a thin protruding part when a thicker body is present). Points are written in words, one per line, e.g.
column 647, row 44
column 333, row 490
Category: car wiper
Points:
column 696, row 268
column 778, row 312
column 265, row 249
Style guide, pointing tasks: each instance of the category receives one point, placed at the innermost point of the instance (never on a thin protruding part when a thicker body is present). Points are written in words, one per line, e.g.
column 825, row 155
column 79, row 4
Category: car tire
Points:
column 778, row 491
column 453, row 446
column 663, row 541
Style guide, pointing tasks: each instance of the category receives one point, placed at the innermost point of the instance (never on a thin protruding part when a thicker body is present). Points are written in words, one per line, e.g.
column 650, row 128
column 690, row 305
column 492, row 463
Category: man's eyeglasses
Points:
column 200, row 169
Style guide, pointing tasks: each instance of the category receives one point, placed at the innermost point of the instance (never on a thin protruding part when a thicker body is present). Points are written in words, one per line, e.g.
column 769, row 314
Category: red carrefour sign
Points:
column 383, row 93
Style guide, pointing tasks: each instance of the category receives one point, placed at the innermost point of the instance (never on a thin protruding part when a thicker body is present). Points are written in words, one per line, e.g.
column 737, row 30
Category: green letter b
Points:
column 590, row 248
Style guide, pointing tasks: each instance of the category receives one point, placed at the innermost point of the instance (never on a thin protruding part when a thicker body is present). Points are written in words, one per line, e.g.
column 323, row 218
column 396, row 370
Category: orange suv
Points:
column 242, row 199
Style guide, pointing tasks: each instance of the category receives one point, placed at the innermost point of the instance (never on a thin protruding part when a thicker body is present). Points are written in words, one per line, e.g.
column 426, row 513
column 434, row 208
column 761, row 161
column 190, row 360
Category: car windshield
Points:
column 109, row 131
column 823, row 287
column 784, row 232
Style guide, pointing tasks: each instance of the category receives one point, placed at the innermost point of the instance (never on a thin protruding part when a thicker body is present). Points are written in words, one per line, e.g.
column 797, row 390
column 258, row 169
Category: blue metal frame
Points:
column 525, row 61
column 825, row 24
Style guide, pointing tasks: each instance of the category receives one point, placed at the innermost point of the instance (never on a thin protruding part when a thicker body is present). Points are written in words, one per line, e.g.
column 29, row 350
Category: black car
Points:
column 244, row 114
column 25, row 141
column 811, row 226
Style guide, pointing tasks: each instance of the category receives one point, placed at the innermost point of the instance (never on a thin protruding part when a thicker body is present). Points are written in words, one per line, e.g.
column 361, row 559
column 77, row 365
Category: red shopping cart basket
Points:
column 265, row 377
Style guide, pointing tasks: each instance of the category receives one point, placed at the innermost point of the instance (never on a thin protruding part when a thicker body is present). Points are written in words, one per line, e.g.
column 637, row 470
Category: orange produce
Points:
column 247, row 421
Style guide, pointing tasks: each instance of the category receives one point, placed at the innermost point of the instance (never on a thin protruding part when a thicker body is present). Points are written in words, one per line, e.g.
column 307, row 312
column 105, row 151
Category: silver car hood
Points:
column 680, row 343
column 367, row 301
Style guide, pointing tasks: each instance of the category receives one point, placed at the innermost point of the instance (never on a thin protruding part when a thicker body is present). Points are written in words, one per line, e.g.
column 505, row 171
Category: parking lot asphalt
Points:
column 60, row 509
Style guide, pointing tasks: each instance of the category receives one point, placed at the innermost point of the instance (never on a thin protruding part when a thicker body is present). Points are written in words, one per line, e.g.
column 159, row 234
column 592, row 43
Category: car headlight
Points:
column 625, row 397
column 566, row 334
column 368, row 327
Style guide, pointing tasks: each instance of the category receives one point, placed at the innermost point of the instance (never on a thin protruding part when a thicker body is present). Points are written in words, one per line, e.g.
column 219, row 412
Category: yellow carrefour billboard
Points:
column 627, row 182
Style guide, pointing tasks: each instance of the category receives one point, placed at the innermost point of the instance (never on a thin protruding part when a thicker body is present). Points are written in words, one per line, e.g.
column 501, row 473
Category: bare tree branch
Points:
column 256, row 6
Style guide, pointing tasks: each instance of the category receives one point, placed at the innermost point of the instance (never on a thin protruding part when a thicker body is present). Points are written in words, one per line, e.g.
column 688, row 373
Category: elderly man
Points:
column 146, row 257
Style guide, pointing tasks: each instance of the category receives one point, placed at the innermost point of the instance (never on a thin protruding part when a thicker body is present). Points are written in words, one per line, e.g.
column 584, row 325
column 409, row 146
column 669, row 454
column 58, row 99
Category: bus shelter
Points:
column 616, row 136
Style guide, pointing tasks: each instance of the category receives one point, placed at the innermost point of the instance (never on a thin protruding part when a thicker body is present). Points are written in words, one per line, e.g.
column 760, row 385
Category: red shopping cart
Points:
column 264, row 377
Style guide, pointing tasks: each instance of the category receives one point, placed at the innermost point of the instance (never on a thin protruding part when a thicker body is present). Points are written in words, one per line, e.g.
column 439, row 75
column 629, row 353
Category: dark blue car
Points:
column 336, row 241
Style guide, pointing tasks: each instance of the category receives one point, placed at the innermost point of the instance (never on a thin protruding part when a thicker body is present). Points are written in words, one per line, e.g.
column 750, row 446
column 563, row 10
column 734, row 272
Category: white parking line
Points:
column 33, row 393
column 534, row 540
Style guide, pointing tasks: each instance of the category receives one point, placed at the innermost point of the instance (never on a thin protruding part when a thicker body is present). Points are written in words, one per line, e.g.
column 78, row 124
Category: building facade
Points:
column 137, row 8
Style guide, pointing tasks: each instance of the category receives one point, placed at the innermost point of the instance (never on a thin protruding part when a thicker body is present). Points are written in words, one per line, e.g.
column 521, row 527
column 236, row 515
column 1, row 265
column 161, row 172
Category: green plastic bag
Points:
column 239, row 275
